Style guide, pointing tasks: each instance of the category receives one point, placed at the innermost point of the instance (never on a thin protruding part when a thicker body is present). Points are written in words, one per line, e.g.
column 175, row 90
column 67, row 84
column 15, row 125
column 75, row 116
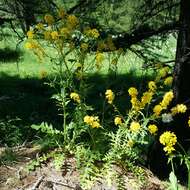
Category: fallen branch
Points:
column 62, row 184
column 36, row 185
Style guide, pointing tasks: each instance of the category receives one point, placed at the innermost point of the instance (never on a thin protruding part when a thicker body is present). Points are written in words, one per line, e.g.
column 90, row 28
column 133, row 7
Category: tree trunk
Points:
column 181, row 85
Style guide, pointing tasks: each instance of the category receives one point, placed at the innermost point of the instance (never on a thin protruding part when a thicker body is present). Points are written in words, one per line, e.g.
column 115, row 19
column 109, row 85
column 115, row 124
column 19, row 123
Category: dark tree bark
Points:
column 181, row 85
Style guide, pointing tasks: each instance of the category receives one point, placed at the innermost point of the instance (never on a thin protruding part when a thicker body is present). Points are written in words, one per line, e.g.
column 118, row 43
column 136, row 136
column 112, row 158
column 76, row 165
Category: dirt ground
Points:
column 15, row 177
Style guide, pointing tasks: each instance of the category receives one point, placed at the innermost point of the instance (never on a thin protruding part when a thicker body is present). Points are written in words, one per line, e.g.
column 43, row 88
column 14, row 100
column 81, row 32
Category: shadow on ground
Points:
column 9, row 55
column 27, row 101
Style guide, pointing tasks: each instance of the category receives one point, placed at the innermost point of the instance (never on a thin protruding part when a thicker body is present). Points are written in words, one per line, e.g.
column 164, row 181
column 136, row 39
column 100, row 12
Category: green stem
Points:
column 89, row 131
column 187, row 162
column 172, row 166
column 64, row 115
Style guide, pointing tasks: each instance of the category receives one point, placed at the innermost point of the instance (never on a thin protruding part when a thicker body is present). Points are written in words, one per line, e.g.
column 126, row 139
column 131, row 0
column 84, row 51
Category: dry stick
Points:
column 62, row 184
column 37, row 183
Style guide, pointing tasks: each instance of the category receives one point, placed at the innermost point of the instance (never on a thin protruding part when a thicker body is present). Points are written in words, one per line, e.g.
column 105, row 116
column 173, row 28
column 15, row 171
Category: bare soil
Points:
column 15, row 177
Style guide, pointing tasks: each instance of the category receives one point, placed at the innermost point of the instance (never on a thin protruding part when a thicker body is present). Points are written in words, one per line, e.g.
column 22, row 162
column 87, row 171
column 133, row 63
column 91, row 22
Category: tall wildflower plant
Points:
column 84, row 133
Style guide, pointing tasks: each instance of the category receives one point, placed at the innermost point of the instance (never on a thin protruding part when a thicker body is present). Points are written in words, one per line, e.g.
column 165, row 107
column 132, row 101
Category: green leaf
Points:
column 173, row 181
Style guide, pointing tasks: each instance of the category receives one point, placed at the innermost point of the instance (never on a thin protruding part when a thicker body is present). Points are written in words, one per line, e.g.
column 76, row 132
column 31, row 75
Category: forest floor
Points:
column 14, row 176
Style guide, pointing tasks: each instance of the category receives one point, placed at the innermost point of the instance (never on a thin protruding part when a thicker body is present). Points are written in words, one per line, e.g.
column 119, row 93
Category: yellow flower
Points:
column 47, row 35
column 133, row 92
column 92, row 33
column 118, row 121
column 135, row 127
column 157, row 109
column 163, row 72
column 152, row 129
column 130, row 143
column 54, row 35
column 167, row 99
column 72, row 21
column 95, row 124
column 99, row 59
column 109, row 96
column 169, row 149
column 84, row 46
column 88, row 119
column 43, row 74
column 40, row 26
column 31, row 45
column 189, row 122
column 168, row 81
column 30, row 34
column 92, row 121
column 65, row 32
column 179, row 108
column 146, row 98
column 135, row 103
column 49, row 19
column 168, row 139
column 28, row 45
column 75, row 97
column 152, row 86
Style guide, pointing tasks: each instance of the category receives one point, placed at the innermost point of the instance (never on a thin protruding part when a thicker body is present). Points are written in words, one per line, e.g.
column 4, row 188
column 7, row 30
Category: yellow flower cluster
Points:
column 40, row 26
column 167, row 99
column 164, row 103
column 168, row 139
column 49, row 19
column 133, row 92
column 189, row 122
column 152, row 86
column 130, row 143
column 157, row 110
column 72, row 21
column 75, row 97
column 163, row 72
column 43, row 74
column 84, row 46
column 146, row 98
column 47, row 35
column 54, row 35
column 99, row 59
column 109, row 96
column 92, row 121
column 168, row 81
column 134, row 101
column 152, row 129
column 179, row 108
column 118, row 121
column 92, row 33
column 30, row 45
column 135, row 127
column 36, row 48
column 65, row 32
column 30, row 34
